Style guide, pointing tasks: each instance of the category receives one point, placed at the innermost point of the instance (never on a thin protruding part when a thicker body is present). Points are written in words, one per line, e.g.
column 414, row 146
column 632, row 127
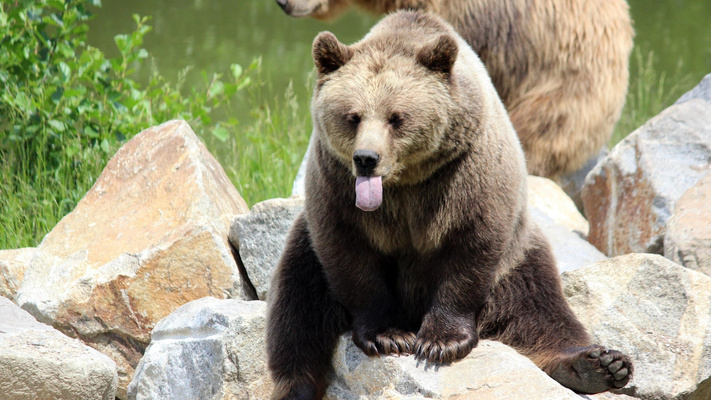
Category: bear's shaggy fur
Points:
column 560, row 66
column 409, row 127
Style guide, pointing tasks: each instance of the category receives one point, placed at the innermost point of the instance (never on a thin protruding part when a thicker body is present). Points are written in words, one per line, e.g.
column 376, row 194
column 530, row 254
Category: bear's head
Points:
column 388, row 107
column 319, row 9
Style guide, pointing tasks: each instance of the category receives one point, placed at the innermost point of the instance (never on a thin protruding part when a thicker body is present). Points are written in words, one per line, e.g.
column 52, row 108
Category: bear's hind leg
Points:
column 303, row 323
column 528, row 312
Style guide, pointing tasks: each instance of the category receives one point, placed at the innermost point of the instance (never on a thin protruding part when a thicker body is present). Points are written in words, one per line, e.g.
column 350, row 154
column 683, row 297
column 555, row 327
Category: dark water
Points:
column 211, row 35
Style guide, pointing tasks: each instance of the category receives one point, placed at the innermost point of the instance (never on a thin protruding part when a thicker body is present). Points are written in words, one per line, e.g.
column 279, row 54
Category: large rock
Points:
column 206, row 349
column 260, row 237
column 149, row 236
column 491, row 371
column 688, row 236
column 13, row 264
column 215, row 349
column 570, row 250
column 547, row 197
column 629, row 197
column 657, row 312
column 557, row 215
column 39, row 362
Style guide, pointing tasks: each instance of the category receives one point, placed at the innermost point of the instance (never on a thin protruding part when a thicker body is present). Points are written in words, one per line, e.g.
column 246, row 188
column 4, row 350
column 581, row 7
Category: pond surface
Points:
column 210, row 35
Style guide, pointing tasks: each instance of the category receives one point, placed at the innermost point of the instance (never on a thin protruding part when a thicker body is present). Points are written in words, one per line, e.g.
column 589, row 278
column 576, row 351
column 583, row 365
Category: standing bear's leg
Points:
column 541, row 325
column 303, row 323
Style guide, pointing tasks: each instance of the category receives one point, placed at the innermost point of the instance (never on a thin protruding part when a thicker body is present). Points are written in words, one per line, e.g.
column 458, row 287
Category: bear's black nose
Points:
column 365, row 161
column 283, row 4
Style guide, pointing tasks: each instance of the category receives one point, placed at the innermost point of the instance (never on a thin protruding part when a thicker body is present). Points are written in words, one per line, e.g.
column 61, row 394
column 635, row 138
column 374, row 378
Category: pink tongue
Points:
column 369, row 192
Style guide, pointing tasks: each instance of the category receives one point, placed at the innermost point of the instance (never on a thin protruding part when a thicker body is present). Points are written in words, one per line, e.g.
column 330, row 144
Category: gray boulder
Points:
column 491, row 371
column 39, row 362
column 570, row 250
column 547, row 198
column 701, row 91
column 556, row 214
column 629, row 197
column 688, row 236
column 260, row 236
column 206, row 349
column 657, row 312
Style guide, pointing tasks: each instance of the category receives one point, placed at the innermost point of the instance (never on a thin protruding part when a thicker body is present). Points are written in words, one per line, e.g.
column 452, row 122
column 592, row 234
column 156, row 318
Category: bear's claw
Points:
column 392, row 341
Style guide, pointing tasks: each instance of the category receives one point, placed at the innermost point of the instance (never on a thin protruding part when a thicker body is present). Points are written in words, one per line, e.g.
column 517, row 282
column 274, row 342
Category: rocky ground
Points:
column 154, row 286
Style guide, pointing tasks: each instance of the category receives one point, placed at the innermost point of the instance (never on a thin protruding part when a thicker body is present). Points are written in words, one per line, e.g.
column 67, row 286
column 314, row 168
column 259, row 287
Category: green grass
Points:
column 32, row 201
column 649, row 93
column 263, row 157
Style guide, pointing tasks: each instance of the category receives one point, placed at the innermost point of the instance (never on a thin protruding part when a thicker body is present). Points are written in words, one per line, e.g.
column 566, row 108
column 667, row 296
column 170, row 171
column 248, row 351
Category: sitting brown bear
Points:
column 416, row 233
column 560, row 67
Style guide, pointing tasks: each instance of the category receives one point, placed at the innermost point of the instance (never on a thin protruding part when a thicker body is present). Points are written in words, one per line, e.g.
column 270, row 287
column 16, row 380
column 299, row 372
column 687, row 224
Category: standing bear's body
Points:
column 416, row 233
column 559, row 66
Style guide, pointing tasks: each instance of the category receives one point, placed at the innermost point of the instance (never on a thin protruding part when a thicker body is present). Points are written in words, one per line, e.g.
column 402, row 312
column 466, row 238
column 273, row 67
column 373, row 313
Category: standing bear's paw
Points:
column 593, row 369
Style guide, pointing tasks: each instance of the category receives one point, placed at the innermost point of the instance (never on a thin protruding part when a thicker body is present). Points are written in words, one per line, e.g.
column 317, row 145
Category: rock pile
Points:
column 149, row 236
column 163, row 250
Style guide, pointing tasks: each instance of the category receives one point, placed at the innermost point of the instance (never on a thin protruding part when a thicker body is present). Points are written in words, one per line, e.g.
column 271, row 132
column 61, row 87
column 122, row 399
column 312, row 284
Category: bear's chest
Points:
column 397, row 228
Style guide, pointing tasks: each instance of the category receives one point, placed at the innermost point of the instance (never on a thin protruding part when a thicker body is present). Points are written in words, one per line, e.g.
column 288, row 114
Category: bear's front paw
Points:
column 443, row 344
column 594, row 369
column 391, row 341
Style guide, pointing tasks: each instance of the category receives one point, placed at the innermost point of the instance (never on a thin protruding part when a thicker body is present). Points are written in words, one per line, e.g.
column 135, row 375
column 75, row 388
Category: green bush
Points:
column 65, row 108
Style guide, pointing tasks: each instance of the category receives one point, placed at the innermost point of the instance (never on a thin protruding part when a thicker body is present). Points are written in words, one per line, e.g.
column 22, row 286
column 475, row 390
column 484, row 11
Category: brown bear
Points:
column 416, row 234
column 560, row 67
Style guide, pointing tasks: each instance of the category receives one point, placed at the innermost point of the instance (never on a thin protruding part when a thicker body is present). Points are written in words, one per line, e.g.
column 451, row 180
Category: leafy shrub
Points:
column 65, row 108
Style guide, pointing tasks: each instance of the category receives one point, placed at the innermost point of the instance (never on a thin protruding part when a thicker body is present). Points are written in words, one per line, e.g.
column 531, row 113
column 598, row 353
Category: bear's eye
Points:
column 353, row 118
column 395, row 120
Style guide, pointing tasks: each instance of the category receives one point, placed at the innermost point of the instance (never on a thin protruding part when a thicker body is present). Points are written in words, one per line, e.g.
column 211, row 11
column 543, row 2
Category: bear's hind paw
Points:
column 594, row 369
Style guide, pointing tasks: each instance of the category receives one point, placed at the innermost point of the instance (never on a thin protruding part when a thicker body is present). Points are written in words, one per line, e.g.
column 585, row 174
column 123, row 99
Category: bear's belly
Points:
column 393, row 236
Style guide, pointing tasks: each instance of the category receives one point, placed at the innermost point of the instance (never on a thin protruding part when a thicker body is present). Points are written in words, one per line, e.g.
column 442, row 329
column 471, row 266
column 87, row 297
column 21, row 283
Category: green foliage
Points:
column 649, row 93
column 269, row 151
column 65, row 108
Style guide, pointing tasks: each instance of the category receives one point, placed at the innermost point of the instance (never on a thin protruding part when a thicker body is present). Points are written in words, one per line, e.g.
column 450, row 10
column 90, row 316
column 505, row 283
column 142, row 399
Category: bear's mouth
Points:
column 369, row 192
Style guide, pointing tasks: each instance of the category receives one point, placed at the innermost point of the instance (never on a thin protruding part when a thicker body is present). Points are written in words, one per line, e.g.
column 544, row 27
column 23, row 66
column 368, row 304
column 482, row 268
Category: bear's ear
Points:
column 439, row 55
column 329, row 54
